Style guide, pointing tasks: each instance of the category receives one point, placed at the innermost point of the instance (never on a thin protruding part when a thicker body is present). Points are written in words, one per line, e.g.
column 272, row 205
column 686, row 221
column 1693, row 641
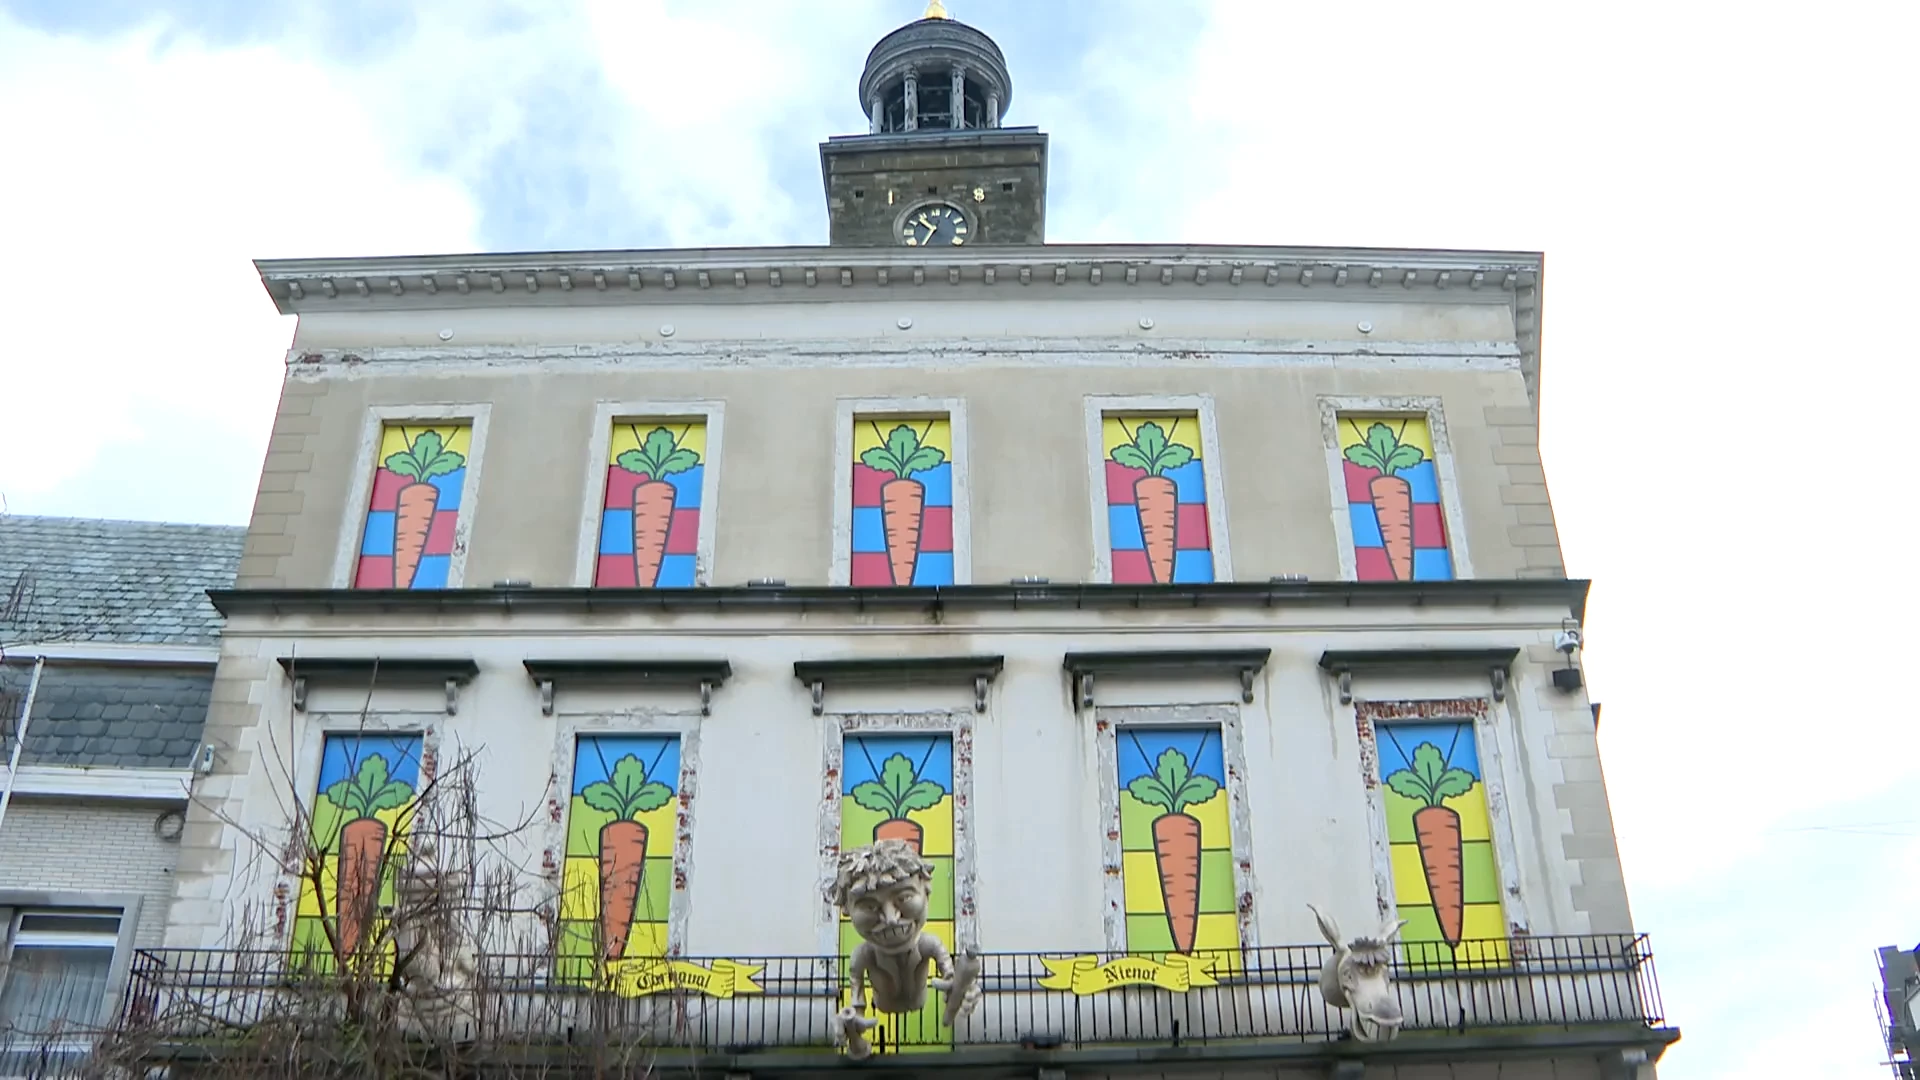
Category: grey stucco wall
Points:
column 1025, row 405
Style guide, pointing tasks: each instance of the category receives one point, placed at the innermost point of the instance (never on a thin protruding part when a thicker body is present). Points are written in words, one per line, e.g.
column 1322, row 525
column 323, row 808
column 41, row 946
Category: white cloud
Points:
column 146, row 172
column 1724, row 226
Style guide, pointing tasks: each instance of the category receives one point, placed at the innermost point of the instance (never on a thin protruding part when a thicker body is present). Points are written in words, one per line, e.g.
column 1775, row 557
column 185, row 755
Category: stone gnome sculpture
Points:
column 1357, row 976
column 883, row 889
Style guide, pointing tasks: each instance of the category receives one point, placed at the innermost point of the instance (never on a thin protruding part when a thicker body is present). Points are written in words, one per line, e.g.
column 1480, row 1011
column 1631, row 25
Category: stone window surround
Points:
column 593, row 493
column 840, row 572
column 1098, row 408
column 638, row 721
column 306, row 771
column 354, row 525
column 957, row 723
column 1331, row 409
column 1491, row 750
column 1108, row 719
column 12, row 901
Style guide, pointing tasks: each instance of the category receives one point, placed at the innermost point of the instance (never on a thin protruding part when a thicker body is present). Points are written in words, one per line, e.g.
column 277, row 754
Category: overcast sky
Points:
column 1724, row 192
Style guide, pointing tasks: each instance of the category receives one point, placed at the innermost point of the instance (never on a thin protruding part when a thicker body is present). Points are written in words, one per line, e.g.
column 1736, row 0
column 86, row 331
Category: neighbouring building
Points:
column 1152, row 593
column 107, row 652
column 1899, row 1018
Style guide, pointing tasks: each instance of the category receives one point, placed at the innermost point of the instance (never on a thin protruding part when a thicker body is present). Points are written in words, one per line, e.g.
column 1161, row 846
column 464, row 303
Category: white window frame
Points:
column 1098, row 408
column 1109, row 719
column 840, row 570
column 1493, row 773
column 957, row 724
column 569, row 729
column 712, row 414
column 1427, row 408
column 360, row 492
column 17, row 902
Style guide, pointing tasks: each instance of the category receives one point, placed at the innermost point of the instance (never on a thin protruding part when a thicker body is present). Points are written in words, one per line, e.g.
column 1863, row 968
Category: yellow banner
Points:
column 1087, row 975
column 650, row 975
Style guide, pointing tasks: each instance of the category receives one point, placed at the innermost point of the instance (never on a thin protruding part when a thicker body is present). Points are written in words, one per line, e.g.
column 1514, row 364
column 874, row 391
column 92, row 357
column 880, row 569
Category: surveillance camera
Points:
column 1567, row 641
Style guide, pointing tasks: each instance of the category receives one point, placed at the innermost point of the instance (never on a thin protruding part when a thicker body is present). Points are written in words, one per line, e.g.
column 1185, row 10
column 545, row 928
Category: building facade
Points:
column 1151, row 593
column 107, row 653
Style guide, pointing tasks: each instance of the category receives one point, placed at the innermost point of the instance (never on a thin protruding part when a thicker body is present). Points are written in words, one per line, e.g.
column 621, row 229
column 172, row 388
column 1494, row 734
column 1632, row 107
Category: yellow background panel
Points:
column 580, row 889
column 1218, row 931
column 1141, row 875
column 646, row 939
column 1472, row 808
column 1212, row 816
column 936, row 824
column 871, row 431
column 660, row 825
column 398, row 437
column 1353, row 430
column 1183, row 429
column 1482, row 921
column 628, row 434
column 1409, row 877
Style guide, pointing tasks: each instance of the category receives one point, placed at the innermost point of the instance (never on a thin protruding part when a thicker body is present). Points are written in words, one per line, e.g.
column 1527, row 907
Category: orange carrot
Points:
column 1158, row 502
column 902, row 501
column 1438, row 830
column 411, row 524
column 1176, row 848
column 652, row 518
column 623, row 857
column 1393, row 505
column 363, row 844
column 899, row 829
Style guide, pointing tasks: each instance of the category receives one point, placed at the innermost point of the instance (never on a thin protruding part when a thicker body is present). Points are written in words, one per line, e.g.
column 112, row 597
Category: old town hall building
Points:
column 595, row 602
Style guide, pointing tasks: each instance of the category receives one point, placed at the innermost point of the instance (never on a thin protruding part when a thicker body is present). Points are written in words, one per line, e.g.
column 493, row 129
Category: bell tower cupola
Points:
column 936, row 168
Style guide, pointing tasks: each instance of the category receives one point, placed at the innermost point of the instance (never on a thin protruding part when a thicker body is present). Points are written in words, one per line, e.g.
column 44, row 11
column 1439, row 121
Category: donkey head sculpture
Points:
column 1357, row 976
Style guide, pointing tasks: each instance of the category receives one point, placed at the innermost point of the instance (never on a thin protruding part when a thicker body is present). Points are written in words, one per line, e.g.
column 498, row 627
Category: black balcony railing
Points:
column 740, row 1005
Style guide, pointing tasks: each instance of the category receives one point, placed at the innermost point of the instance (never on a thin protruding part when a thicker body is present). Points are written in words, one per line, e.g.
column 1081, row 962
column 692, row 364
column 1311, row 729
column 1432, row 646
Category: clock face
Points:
column 937, row 225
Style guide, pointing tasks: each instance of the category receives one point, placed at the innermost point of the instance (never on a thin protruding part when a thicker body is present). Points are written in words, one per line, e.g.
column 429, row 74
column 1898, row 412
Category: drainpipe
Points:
column 20, row 738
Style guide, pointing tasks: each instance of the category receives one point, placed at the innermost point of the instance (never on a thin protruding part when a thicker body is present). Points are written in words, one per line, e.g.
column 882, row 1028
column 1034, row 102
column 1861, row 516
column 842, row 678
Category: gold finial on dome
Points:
column 936, row 10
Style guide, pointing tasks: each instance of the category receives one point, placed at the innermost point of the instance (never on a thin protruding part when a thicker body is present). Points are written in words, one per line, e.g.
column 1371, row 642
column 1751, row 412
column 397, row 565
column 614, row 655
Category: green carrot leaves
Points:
column 897, row 793
column 1384, row 451
column 658, row 455
column 627, row 793
column 427, row 458
column 1174, row 785
column 1430, row 779
column 370, row 791
column 903, row 455
column 1150, row 450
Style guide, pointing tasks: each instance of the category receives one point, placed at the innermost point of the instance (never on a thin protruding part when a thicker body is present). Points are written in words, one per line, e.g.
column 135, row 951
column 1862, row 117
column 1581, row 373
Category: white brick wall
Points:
column 102, row 846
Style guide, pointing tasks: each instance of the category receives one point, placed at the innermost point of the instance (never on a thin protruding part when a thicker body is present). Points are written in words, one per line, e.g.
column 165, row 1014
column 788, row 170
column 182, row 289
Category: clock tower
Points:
column 935, row 168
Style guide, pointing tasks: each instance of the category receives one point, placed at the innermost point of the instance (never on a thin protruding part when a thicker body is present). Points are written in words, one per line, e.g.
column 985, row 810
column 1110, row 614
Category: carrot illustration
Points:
column 902, row 499
column 1437, row 828
column 896, row 794
column 1176, row 838
column 658, row 457
column 1155, row 497
column 363, row 844
column 626, row 794
column 1392, row 495
column 425, row 459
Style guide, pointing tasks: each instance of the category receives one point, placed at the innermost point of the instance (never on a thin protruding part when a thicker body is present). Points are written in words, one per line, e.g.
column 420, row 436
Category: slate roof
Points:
column 120, row 715
column 86, row 579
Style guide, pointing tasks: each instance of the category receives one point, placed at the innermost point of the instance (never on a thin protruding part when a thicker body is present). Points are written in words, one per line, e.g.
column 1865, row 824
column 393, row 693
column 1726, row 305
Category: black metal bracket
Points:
column 451, row 673
column 979, row 671
column 700, row 675
column 1243, row 664
column 1494, row 662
